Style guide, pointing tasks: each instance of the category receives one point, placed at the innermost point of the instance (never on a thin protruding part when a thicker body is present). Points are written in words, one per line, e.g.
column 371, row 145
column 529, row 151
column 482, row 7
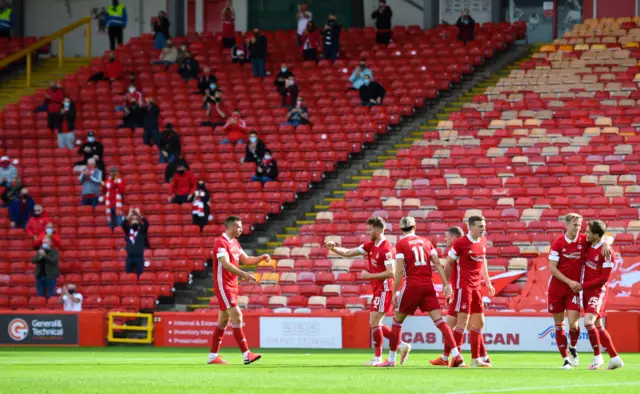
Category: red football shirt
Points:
column 225, row 246
column 570, row 256
column 453, row 276
column 595, row 263
column 416, row 253
column 380, row 255
column 469, row 256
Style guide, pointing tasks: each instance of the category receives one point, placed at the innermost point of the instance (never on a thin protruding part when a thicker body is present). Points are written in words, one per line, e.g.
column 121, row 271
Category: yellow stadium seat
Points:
column 631, row 45
column 548, row 48
column 267, row 266
column 598, row 47
column 566, row 48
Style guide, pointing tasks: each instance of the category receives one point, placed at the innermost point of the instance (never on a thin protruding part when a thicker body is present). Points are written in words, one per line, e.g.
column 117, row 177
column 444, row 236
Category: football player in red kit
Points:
column 597, row 268
column 381, row 256
column 229, row 254
column 468, row 253
column 414, row 258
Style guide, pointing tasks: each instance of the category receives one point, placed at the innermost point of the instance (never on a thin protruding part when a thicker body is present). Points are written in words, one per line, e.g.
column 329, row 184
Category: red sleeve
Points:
column 389, row 254
column 554, row 251
column 599, row 281
column 172, row 188
column 367, row 246
column 122, row 187
column 30, row 230
column 39, row 240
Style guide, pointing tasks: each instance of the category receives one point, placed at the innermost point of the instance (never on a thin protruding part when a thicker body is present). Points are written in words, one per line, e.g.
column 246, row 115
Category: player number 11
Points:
column 418, row 253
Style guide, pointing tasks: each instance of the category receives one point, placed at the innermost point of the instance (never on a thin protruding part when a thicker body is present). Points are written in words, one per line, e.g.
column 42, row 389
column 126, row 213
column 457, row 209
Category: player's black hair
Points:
column 455, row 231
column 474, row 219
column 231, row 219
column 597, row 227
column 376, row 222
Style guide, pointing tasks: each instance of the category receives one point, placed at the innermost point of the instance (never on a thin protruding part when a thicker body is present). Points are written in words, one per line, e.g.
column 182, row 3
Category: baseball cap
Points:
column 4, row 158
column 407, row 222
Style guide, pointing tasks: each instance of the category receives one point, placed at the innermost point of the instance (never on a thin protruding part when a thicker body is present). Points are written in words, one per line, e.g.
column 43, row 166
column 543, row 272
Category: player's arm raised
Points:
column 435, row 260
column 487, row 278
column 224, row 260
column 344, row 252
column 554, row 258
column 250, row 260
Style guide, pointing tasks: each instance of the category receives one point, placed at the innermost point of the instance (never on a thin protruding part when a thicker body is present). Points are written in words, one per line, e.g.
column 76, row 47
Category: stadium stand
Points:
column 8, row 47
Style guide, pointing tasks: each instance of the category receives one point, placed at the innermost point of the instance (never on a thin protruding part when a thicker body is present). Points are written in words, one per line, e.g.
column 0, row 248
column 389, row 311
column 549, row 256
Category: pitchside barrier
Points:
column 318, row 330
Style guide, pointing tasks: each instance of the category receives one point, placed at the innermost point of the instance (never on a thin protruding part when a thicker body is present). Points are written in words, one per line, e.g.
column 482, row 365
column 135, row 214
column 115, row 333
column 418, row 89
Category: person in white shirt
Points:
column 304, row 16
column 71, row 299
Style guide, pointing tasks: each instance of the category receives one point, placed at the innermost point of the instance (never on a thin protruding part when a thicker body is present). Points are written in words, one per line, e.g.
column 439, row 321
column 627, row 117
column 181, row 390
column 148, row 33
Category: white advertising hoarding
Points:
column 301, row 332
column 511, row 333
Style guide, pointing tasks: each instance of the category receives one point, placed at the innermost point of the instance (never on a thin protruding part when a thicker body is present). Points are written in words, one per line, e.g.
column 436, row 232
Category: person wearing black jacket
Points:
column 371, row 92
column 289, row 92
column 205, row 80
column 135, row 229
column 172, row 168
column 282, row 77
column 189, row 67
column 254, row 150
column 201, row 210
column 169, row 144
column 267, row 169
column 67, row 125
column 90, row 149
column 161, row 30
column 383, row 15
column 258, row 53
column 46, row 271
column 151, row 123
column 466, row 27
column 331, row 34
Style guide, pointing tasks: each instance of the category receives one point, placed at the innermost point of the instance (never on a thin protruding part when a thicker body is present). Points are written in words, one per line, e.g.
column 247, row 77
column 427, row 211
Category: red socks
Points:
column 376, row 333
column 458, row 333
column 240, row 339
column 561, row 340
column 606, row 342
column 483, row 350
column 594, row 338
column 386, row 331
column 394, row 337
column 474, row 340
column 218, row 332
column 447, row 335
column 574, row 335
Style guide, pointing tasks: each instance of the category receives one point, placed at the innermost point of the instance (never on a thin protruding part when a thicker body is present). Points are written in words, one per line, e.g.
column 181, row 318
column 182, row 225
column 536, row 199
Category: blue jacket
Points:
column 358, row 79
column 7, row 25
column 114, row 21
column 15, row 213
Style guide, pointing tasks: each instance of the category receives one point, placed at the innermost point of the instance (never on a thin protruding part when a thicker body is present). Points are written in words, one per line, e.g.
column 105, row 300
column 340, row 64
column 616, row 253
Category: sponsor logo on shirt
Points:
column 572, row 256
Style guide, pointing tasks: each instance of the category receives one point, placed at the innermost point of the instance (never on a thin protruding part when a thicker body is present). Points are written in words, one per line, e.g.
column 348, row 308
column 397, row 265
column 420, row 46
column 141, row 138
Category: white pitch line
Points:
column 538, row 388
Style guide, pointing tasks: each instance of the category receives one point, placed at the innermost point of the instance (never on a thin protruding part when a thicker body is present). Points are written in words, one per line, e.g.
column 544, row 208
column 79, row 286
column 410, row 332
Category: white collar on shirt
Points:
column 475, row 241
column 571, row 240
column 380, row 241
column 226, row 236
column 599, row 244
column 411, row 234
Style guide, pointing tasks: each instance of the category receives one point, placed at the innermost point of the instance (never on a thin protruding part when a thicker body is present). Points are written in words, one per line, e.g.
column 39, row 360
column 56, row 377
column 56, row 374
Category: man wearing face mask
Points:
column 205, row 80
column 189, row 67
column 67, row 126
column 210, row 96
column 135, row 232
column 133, row 109
column 49, row 231
column 70, row 298
column 169, row 144
column 281, row 77
column 298, row 115
column 331, row 33
column 290, row 92
column 383, row 15
column 371, row 92
column 216, row 110
column 46, row 271
column 357, row 76
column 151, row 123
column 254, row 150
column 21, row 209
column 89, row 149
column 466, row 27
column 113, row 71
column 266, row 170
column 258, row 53
column 8, row 172
column 183, row 186
column 116, row 22
column 37, row 223
column 240, row 52
column 201, row 210
column 91, row 180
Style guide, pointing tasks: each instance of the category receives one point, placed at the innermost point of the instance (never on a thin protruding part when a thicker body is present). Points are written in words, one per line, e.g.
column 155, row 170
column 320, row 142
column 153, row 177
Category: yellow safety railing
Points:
column 58, row 35
column 113, row 326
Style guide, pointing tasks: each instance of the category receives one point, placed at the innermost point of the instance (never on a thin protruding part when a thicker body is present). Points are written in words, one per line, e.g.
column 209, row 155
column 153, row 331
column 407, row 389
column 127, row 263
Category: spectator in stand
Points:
column 91, row 180
column 331, row 34
column 160, row 30
column 357, row 76
column 210, row 96
column 100, row 165
column 169, row 144
column 133, row 109
column 216, row 111
column 371, row 92
column 258, row 53
column 181, row 52
column 21, row 209
column 189, row 68
column 183, row 185
column 53, row 103
column 47, row 271
column 172, row 168
column 49, row 231
column 116, row 22
column 37, row 223
column 466, row 27
column 11, row 192
column 71, row 299
column 298, row 115
column 130, row 79
column 135, row 229
column 281, row 78
column 205, row 80
column 90, row 149
column 240, row 52
column 113, row 71
column 266, row 169
column 383, row 15
column 7, row 19
column 310, row 42
column 290, row 92
column 228, row 26
column 113, row 191
column 304, row 16
column 168, row 56
column 255, row 149
column 151, row 123
column 201, row 209
column 67, row 125
column 236, row 129
column 8, row 172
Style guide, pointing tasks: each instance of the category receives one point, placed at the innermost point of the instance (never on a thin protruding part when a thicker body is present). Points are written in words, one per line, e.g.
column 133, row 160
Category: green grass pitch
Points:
column 178, row 371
